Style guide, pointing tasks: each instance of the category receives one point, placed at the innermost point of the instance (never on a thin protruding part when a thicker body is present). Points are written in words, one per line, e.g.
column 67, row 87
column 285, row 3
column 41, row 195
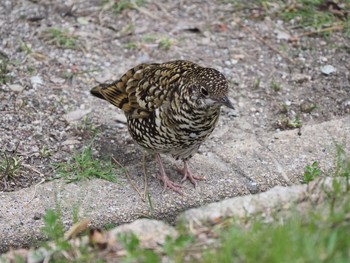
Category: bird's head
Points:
column 209, row 88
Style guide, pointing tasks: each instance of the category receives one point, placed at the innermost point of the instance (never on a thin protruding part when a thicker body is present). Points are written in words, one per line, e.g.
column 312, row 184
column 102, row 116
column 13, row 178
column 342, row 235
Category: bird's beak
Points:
column 225, row 101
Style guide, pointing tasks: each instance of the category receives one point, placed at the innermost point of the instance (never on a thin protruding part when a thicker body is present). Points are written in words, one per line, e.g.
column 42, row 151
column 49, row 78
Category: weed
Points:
column 23, row 46
column 82, row 166
column 286, row 123
column 276, row 87
column 44, row 152
column 53, row 225
column 109, row 226
column 60, row 38
column 4, row 61
column 60, row 249
column 165, row 43
column 283, row 108
column 122, row 5
column 311, row 172
column 257, row 83
column 10, row 167
column 150, row 203
column 176, row 248
column 299, row 239
column 307, row 107
column 133, row 251
column 149, row 39
column 86, row 128
column 131, row 45
column 317, row 16
column 308, row 13
column 31, row 70
column 342, row 167
column 72, row 73
column 128, row 29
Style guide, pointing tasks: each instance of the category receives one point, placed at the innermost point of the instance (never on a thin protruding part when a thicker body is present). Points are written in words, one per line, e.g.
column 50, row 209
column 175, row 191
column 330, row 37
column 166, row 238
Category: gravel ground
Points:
column 52, row 54
column 47, row 112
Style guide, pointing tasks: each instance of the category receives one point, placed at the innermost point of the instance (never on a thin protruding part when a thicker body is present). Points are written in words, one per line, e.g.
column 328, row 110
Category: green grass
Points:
column 275, row 86
column 86, row 128
column 131, row 45
column 165, row 43
column 313, row 16
column 10, row 167
column 61, row 38
column 311, row 172
column 310, row 238
column 308, row 108
column 120, row 5
column 4, row 61
column 319, row 233
column 82, row 166
column 285, row 123
column 44, row 152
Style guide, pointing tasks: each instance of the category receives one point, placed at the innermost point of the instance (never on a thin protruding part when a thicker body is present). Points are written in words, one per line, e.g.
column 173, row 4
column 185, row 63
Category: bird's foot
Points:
column 165, row 179
column 170, row 184
column 186, row 172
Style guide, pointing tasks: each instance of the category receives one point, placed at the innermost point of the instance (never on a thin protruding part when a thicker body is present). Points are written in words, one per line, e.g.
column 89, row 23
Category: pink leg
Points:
column 188, row 174
column 166, row 181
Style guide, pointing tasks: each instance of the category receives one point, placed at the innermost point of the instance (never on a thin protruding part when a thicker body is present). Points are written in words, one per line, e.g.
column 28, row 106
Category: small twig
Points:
column 129, row 178
column 263, row 41
column 31, row 168
column 327, row 29
column 31, row 199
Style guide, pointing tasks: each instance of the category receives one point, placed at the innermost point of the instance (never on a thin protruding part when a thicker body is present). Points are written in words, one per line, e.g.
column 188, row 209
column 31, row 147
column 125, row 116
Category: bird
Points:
column 171, row 108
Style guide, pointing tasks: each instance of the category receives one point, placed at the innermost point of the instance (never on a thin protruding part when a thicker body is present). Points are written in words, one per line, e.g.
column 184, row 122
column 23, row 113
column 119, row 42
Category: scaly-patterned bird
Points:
column 171, row 108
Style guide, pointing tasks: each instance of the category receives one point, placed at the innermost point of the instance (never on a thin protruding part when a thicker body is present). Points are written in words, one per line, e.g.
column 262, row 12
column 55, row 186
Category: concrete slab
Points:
column 235, row 168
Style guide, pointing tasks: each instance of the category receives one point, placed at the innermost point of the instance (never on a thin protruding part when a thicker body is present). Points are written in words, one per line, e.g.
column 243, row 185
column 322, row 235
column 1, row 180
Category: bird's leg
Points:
column 188, row 174
column 165, row 179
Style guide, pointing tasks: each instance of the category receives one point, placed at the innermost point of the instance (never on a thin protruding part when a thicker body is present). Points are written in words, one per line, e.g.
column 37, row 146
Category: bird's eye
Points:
column 204, row 91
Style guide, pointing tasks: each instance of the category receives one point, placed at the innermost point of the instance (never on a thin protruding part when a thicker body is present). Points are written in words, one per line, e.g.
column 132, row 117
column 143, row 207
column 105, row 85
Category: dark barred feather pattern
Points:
column 171, row 107
column 165, row 107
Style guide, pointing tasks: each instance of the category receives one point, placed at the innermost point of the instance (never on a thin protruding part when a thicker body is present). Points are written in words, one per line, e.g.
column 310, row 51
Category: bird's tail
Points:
column 113, row 93
column 96, row 91
column 121, row 93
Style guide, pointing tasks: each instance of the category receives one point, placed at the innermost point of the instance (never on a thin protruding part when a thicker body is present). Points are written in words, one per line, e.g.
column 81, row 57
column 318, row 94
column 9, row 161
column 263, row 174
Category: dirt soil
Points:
column 47, row 113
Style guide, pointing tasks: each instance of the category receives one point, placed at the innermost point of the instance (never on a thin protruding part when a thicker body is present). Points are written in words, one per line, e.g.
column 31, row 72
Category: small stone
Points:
column 323, row 59
column 83, row 20
column 288, row 102
column 76, row 115
column 301, row 78
column 37, row 216
column 57, row 80
column 70, row 142
column 281, row 35
column 252, row 109
column 328, row 69
column 36, row 81
column 16, row 87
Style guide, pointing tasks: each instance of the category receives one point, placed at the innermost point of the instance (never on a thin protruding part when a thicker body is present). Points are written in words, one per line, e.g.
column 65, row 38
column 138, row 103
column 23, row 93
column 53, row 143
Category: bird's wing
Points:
column 143, row 88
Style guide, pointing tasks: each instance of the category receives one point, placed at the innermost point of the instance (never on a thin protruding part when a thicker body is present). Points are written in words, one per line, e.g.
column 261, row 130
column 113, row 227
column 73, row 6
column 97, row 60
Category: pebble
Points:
column 16, row 87
column 301, row 78
column 288, row 102
column 76, row 115
column 57, row 80
column 36, row 81
column 328, row 69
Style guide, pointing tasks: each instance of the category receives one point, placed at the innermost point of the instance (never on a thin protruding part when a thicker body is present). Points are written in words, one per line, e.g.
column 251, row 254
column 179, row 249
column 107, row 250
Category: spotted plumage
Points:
column 171, row 108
